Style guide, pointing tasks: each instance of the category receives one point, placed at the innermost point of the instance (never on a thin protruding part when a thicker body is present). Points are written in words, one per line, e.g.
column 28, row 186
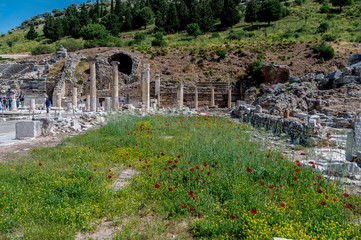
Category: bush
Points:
column 221, row 53
column 323, row 27
column 325, row 8
column 329, row 37
column 139, row 37
column 193, row 30
column 94, row 31
column 324, row 51
column 215, row 35
column 358, row 39
column 159, row 40
column 71, row 45
column 41, row 49
column 108, row 42
column 239, row 35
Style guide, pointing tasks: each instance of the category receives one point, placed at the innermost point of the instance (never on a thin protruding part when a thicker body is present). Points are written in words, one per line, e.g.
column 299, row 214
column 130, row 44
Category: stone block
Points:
column 28, row 129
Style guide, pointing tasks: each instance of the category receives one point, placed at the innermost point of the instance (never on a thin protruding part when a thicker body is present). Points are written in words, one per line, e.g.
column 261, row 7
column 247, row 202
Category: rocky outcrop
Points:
column 275, row 73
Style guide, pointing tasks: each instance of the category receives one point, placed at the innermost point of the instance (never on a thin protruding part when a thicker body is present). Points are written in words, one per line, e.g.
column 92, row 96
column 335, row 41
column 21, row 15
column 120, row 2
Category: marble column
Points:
column 229, row 97
column 157, row 88
column 88, row 102
column 93, row 88
column 212, row 97
column 13, row 106
column 196, row 98
column 58, row 100
column 180, row 96
column 108, row 104
column 32, row 104
column 115, row 96
column 75, row 98
column 145, row 85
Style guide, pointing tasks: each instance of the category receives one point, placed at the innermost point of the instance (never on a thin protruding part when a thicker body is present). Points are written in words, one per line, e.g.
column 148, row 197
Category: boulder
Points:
column 28, row 129
column 294, row 79
column 275, row 73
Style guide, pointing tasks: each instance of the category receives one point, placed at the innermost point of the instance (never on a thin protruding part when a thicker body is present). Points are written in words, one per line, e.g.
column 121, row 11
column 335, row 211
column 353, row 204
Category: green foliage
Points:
column 172, row 23
column 324, row 51
column 299, row 2
column 112, row 24
column 238, row 35
column 146, row 16
column 329, row 37
column 206, row 19
column 193, row 30
column 159, row 40
column 270, row 10
column 230, row 15
column 41, row 49
column 110, row 41
column 325, row 8
column 221, row 53
column 323, row 27
column 251, row 12
column 71, row 44
column 341, row 3
column 358, row 39
column 139, row 37
column 94, row 31
column 32, row 34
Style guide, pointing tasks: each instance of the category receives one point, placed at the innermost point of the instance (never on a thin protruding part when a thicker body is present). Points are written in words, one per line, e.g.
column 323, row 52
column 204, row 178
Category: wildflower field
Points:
column 198, row 177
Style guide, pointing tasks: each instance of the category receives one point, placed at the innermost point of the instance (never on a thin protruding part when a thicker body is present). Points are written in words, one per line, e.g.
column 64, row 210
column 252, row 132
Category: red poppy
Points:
column 290, row 207
column 152, row 215
column 178, row 156
column 197, row 178
column 90, row 178
column 319, row 190
column 110, row 170
column 148, row 165
column 331, row 172
column 270, row 186
column 319, row 177
column 3, row 193
column 170, row 189
column 253, row 211
column 280, row 186
column 237, row 156
column 233, row 217
column 205, row 164
column 295, row 178
column 40, row 164
column 156, row 185
column 183, row 207
column 297, row 170
column 170, row 161
column 191, row 169
column 165, row 169
column 208, row 173
column 250, row 152
column 204, row 181
column 323, row 203
column 191, row 209
column 197, row 167
column 175, row 161
column 95, row 169
column 213, row 165
column 150, row 175
column 143, row 167
column 346, row 195
column 130, row 165
column 315, row 183
column 191, row 179
column 216, row 163
column 249, row 170
column 194, row 197
column 282, row 204
column 348, row 206
column 214, row 154
column 326, row 197
column 334, row 199
column 109, row 176
column 262, row 183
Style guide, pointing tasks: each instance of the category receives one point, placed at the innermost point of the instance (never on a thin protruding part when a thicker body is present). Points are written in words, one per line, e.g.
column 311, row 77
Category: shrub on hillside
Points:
column 139, row 37
column 323, row 27
column 193, row 30
column 159, row 40
column 221, row 53
column 41, row 49
column 94, row 31
column 358, row 39
column 71, row 44
column 324, row 51
column 325, row 8
column 329, row 37
column 108, row 42
column 238, row 35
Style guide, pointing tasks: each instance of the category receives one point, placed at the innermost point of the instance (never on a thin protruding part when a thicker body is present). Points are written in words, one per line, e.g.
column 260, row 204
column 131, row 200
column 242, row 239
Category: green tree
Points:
column 128, row 18
column 159, row 40
column 217, row 7
column 84, row 17
column 32, row 34
column 172, row 22
column 97, row 9
column 193, row 30
column 119, row 8
column 341, row 3
column 146, row 16
column 270, row 10
column 53, row 28
column 183, row 15
column 251, row 12
column 94, row 31
column 111, row 22
column 112, row 7
column 230, row 15
column 206, row 20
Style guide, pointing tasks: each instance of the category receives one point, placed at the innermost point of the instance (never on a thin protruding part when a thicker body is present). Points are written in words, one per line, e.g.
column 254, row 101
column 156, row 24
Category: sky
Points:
column 14, row 12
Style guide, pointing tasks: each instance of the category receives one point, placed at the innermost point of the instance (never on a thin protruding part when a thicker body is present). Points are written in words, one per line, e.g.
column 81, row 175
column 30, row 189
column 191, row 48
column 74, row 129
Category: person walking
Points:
column 47, row 104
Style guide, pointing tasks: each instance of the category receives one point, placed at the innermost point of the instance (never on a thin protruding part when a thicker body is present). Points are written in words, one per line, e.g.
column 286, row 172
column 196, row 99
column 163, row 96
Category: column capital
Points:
column 115, row 63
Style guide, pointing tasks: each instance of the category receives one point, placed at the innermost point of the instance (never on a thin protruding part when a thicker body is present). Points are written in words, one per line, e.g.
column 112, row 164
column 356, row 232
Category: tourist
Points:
column 47, row 104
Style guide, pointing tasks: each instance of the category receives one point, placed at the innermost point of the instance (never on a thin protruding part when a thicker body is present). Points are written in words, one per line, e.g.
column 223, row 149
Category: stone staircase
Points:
column 8, row 71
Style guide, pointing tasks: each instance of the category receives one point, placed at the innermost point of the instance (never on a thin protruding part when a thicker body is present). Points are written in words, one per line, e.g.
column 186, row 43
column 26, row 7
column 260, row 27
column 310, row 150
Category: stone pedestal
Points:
column 87, row 103
column 69, row 107
column 28, row 129
column 108, row 104
column 14, row 107
column 75, row 98
column 32, row 104
column 93, row 88
column 157, row 88
column 180, row 96
column 145, row 88
column 212, row 97
column 115, row 95
column 196, row 98
column 58, row 100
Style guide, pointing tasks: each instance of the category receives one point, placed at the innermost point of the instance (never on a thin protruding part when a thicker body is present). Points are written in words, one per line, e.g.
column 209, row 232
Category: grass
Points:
column 299, row 26
column 199, row 177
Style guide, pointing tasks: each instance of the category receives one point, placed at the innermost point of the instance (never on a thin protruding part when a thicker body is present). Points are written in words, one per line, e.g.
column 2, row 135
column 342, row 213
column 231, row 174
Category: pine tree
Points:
column 74, row 27
column 84, row 17
column 251, row 12
column 128, row 18
column 172, row 22
column 217, row 7
column 161, row 15
column 146, row 16
column 206, row 21
column 183, row 15
column 270, row 10
column 111, row 22
column 341, row 3
column 32, row 34
column 194, row 12
column 112, row 7
column 118, row 8
column 230, row 15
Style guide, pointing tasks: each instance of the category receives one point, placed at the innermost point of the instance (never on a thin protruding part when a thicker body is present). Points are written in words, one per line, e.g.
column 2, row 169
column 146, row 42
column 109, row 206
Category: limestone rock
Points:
column 275, row 73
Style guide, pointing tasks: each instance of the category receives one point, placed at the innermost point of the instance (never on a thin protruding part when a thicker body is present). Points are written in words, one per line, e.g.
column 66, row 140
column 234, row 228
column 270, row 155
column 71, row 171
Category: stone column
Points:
column 75, row 98
column 115, row 96
column 58, row 100
column 88, row 102
column 157, row 88
column 229, row 97
column 145, row 85
column 212, row 97
column 93, row 88
column 180, row 96
column 32, row 104
column 69, row 106
column 13, row 104
column 196, row 98
column 108, row 104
